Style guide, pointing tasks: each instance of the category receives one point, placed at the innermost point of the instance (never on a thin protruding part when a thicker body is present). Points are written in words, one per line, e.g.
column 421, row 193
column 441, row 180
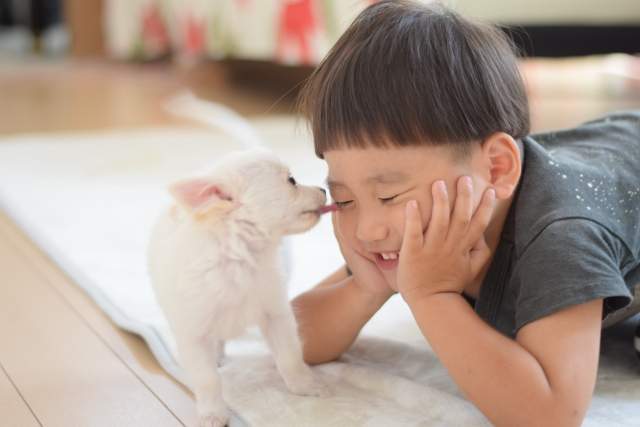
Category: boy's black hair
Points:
column 406, row 73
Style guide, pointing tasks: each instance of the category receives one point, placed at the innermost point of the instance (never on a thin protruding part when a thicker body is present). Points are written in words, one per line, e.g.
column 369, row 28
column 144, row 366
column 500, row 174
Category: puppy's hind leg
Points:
column 199, row 357
column 280, row 333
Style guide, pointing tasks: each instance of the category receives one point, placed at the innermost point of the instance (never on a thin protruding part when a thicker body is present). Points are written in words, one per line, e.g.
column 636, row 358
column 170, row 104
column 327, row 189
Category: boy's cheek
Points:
column 346, row 227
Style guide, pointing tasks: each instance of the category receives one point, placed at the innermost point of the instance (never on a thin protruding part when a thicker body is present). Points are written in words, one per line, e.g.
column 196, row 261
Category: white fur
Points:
column 214, row 263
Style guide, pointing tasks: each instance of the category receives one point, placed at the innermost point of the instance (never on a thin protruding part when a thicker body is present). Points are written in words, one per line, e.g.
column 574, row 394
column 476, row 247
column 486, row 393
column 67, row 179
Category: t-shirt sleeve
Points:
column 572, row 261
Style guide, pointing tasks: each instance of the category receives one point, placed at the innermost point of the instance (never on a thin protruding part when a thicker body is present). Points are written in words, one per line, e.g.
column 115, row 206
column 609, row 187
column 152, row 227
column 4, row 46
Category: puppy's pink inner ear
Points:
column 198, row 193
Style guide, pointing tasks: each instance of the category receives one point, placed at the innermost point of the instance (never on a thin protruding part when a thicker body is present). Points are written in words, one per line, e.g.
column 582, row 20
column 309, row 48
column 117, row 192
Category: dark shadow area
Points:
column 617, row 345
column 570, row 40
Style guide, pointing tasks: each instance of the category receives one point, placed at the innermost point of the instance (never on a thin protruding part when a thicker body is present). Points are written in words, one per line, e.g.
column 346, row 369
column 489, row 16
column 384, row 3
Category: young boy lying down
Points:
column 510, row 249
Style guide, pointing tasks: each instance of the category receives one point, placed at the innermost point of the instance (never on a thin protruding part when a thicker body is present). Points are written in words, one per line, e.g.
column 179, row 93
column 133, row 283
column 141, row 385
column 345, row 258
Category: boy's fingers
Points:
column 479, row 255
column 440, row 214
column 481, row 217
column 462, row 209
column 413, row 238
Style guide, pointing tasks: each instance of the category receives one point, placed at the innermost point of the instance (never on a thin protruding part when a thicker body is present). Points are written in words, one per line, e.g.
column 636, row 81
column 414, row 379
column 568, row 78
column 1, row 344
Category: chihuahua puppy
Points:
column 215, row 267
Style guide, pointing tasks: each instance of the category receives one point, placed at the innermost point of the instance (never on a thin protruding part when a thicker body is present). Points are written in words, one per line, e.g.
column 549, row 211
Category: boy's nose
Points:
column 370, row 229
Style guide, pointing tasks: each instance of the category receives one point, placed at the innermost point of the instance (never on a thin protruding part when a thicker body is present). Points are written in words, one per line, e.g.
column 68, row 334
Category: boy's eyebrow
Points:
column 333, row 184
column 385, row 177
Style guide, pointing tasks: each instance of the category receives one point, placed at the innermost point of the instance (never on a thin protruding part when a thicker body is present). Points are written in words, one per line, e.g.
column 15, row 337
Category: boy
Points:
column 509, row 249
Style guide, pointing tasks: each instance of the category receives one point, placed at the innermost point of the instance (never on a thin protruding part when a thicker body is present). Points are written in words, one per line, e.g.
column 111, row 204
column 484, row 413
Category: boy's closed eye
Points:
column 388, row 200
column 342, row 205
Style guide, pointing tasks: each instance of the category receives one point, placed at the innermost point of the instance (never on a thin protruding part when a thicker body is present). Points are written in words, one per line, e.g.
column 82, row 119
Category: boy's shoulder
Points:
column 572, row 234
column 588, row 172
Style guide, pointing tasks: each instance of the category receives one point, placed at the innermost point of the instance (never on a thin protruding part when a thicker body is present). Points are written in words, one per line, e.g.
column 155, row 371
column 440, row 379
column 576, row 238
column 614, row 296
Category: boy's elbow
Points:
column 575, row 419
column 570, row 418
column 556, row 413
column 312, row 358
column 566, row 414
column 313, row 361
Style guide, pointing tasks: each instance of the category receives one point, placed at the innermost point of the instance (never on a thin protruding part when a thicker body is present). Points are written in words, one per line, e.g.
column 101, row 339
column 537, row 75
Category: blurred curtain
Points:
column 295, row 32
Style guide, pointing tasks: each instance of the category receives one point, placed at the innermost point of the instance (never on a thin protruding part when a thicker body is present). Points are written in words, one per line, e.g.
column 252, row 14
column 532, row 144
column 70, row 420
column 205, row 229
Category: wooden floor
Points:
column 62, row 362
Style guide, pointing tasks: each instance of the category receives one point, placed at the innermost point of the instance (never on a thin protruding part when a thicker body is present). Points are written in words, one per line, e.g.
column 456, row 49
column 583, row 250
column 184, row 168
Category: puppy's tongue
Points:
column 329, row 208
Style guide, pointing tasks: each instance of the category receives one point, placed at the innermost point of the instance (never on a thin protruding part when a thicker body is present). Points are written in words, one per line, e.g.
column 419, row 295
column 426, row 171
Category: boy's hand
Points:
column 452, row 251
column 366, row 273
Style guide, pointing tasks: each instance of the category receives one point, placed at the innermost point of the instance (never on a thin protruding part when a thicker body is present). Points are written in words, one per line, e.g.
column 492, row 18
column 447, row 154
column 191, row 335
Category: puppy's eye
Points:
column 293, row 181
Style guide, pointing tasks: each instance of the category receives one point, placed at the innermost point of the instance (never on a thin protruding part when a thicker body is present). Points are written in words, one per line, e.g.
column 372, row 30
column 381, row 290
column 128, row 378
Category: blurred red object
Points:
column 194, row 36
column 154, row 32
column 298, row 23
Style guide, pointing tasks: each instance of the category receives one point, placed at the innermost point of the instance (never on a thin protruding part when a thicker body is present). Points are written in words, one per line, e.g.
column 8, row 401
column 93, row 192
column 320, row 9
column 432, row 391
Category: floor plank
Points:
column 64, row 95
column 13, row 408
column 130, row 348
column 67, row 375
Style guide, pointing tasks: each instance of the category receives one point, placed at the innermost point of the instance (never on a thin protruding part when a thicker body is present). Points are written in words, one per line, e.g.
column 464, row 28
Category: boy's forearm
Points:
column 330, row 317
column 498, row 375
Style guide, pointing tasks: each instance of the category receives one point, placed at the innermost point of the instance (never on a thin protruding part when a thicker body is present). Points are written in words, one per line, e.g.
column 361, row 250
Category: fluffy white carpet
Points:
column 90, row 199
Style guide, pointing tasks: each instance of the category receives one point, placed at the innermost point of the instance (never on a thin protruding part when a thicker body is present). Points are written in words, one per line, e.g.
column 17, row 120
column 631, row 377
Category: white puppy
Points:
column 214, row 263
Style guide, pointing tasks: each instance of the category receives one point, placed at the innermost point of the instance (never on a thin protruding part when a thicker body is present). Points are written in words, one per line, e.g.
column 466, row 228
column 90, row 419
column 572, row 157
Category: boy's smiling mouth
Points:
column 387, row 260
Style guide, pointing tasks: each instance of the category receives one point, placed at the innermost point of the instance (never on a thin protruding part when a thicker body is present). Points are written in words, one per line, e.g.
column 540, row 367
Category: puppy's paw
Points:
column 308, row 384
column 213, row 420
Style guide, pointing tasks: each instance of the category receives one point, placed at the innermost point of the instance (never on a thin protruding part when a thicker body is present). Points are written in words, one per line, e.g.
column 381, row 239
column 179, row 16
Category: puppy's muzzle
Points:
column 319, row 210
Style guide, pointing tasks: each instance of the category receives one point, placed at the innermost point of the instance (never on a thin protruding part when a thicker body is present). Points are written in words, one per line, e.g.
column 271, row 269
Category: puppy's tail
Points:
column 216, row 115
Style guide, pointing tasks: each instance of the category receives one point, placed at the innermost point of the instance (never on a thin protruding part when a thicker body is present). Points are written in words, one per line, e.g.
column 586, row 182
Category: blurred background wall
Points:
column 301, row 31
column 561, row 12
column 293, row 32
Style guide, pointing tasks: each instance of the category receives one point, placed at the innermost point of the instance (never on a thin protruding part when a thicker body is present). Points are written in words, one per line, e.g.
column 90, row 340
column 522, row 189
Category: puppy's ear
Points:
column 200, row 195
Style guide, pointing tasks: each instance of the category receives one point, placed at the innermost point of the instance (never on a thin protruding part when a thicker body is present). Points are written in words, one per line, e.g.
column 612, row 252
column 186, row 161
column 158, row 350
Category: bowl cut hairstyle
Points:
column 410, row 74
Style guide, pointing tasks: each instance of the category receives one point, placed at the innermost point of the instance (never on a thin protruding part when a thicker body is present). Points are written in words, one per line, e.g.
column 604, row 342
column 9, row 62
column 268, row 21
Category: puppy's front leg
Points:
column 280, row 333
column 199, row 358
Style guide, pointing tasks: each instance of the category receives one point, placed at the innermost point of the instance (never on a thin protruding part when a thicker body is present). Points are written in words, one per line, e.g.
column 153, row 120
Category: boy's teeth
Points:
column 389, row 256
column 393, row 256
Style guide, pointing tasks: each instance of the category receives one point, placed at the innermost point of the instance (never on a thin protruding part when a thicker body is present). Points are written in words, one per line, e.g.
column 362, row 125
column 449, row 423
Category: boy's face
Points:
column 372, row 186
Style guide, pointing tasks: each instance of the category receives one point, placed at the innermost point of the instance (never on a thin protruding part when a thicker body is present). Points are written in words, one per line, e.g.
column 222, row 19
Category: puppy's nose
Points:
column 323, row 190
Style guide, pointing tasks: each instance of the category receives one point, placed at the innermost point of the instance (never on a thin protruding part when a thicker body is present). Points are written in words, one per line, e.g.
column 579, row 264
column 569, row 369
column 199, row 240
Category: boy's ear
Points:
column 501, row 156
column 200, row 195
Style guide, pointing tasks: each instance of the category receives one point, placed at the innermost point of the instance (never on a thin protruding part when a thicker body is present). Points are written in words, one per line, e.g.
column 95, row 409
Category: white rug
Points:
column 90, row 199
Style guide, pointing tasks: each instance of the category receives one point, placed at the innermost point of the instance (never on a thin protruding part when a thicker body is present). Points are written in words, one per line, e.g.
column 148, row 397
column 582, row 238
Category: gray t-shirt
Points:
column 573, row 230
